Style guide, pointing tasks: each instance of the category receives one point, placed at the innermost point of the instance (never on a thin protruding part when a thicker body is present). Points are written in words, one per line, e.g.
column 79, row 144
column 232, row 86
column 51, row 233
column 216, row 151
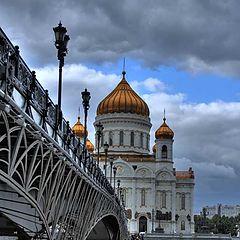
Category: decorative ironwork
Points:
column 163, row 216
column 129, row 213
column 45, row 167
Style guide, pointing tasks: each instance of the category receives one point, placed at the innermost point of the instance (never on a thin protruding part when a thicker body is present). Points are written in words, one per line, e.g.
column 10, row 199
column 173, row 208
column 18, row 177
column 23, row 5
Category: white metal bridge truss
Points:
column 48, row 188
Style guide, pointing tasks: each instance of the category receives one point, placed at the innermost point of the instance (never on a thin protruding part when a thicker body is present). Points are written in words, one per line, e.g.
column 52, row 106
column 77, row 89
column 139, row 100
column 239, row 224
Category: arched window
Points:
column 182, row 225
column 142, row 224
column 132, row 139
column 183, row 199
column 143, row 197
column 110, row 138
column 164, row 151
column 121, row 138
column 164, row 198
column 141, row 140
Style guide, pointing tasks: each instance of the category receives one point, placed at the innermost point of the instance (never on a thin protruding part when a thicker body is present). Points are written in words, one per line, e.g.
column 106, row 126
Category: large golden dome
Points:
column 164, row 131
column 123, row 99
column 78, row 129
column 90, row 146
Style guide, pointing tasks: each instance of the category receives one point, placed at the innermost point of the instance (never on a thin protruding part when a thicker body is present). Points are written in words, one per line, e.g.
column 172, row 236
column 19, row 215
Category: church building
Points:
column 157, row 197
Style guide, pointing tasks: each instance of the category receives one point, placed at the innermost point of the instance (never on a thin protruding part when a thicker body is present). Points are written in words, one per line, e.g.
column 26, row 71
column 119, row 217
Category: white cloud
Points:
column 75, row 79
column 148, row 85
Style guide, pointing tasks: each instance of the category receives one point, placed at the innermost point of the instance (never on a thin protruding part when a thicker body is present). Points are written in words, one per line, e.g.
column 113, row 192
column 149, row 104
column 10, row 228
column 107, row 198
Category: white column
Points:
column 173, row 210
column 191, row 212
column 153, row 202
column 133, row 226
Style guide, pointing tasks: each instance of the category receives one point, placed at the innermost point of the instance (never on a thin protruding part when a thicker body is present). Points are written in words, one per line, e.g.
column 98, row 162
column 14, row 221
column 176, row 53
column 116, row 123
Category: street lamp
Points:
column 85, row 97
column 61, row 41
column 118, row 186
column 106, row 146
column 114, row 176
column 111, row 166
column 100, row 128
column 152, row 220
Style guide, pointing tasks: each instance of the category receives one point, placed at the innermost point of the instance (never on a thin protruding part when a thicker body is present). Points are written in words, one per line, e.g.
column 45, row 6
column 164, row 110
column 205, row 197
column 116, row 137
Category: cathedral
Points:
column 157, row 197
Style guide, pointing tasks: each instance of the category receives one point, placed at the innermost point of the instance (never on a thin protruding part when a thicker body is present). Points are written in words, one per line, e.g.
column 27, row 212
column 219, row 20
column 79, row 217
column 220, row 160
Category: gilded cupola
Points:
column 90, row 146
column 78, row 129
column 164, row 131
column 123, row 99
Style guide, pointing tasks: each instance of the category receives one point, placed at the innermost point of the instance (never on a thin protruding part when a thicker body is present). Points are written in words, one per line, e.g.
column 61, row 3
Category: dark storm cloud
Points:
column 193, row 35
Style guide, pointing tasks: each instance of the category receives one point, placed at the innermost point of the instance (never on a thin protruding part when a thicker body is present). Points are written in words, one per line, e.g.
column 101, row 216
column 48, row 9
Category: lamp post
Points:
column 152, row 220
column 114, row 177
column 61, row 41
column 122, row 198
column 100, row 128
column 85, row 97
column 118, row 186
column 106, row 146
column 111, row 167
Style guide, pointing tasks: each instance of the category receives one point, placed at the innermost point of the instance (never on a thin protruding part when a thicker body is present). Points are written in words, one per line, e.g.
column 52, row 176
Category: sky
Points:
column 181, row 55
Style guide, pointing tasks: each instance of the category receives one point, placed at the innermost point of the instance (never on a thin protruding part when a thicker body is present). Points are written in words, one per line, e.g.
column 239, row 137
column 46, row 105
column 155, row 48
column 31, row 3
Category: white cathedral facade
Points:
column 157, row 197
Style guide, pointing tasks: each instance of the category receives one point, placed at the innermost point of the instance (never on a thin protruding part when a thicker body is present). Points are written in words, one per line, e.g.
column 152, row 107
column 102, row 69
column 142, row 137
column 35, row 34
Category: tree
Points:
column 218, row 224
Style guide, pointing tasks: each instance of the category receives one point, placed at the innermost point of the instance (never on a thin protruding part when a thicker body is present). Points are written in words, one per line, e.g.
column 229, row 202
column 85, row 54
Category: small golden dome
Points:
column 164, row 132
column 123, row 99
column 154, row 148
column 90, row 146
column 78, row 129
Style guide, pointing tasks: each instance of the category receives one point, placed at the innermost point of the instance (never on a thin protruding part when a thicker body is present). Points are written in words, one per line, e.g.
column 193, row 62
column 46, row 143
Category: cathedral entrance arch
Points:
column 142, row 224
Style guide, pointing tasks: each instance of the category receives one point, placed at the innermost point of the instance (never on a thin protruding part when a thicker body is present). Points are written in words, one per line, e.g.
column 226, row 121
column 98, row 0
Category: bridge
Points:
column 50, row 188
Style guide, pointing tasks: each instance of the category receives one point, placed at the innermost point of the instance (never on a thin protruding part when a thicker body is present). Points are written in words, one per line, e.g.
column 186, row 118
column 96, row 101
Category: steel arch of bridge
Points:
column 44, row 167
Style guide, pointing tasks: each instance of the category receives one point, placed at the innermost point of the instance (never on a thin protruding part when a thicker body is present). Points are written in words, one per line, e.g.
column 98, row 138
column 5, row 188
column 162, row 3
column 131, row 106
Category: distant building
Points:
column 157, row 197
column 222, row 210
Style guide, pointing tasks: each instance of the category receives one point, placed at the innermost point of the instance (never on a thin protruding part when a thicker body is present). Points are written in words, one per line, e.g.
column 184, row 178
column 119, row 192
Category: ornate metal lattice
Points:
column 45, row 165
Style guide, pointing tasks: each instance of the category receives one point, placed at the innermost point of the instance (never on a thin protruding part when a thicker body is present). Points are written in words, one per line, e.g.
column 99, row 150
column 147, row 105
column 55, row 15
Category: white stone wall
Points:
column 159, row 144
column 127, row 123
column 185, row 186
column 154, row 181
column 155, row 177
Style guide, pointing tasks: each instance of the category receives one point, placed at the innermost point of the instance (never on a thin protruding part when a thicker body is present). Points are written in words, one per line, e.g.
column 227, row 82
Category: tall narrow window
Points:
column 183, row 199
column 141, row 140
column 164, row 151
column 132, row 139
column 110, row 138
column 121, row 138
column 147, row 142
column 182, row 225
column 143, row 196
column 164, row 196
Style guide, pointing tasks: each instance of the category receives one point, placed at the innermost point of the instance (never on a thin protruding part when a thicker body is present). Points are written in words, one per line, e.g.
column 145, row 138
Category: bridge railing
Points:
column 20, row 84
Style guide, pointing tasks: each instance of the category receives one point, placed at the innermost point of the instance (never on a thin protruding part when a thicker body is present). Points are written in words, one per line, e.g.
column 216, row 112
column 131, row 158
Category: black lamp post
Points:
column 111, row 167
column 118, row 186
column 85, row 97
column 100, row 128
column 114, row 176
column 122, row 198
column 61, row 41
column 152, row 220
column 106, row 146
